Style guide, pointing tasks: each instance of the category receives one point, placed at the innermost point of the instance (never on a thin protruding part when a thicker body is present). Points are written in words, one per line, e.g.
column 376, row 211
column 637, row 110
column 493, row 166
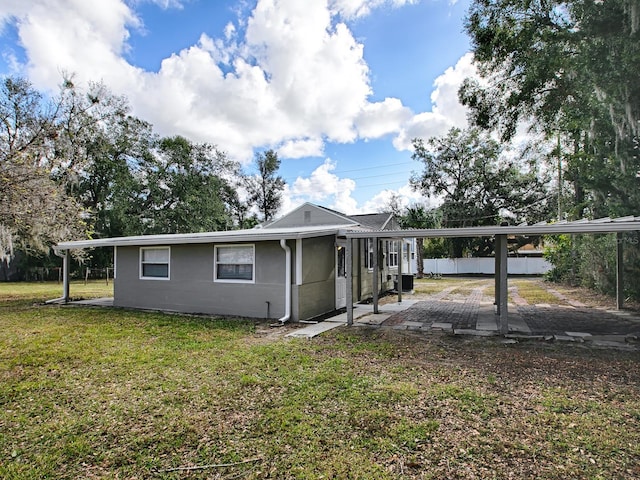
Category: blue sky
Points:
column 337, row 87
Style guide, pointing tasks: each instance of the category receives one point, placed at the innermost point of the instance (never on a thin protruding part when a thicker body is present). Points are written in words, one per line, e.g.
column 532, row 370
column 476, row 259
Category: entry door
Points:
column 341, row 275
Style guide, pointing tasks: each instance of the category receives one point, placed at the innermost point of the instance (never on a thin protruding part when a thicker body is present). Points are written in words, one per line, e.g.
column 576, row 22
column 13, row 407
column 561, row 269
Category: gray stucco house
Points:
column 291, row 269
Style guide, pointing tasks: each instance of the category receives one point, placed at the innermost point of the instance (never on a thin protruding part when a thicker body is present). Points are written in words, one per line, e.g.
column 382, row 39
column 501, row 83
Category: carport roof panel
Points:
column 600, row 225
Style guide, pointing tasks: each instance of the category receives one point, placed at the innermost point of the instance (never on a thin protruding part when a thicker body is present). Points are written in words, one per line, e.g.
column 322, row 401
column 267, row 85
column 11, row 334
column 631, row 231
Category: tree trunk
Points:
column 420, row 259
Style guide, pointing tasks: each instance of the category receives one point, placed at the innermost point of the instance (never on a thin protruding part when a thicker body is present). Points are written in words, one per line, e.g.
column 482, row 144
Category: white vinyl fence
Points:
column 515, row 266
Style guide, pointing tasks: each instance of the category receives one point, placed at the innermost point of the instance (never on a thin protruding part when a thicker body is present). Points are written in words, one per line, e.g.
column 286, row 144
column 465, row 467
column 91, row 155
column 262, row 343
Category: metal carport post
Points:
column 500, row 276
column 376, row 249
column 619, row 271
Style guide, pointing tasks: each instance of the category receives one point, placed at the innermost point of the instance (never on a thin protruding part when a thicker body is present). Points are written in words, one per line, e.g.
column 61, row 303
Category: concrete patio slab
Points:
column 578, row 334
column 373, row 319
column 442, row 326
column 517, row 324
column 95, row 302
column 477, row 333
column 413, row 324
column 396, row 306
column 311, row 331
column 487, row 319
column 362, row 315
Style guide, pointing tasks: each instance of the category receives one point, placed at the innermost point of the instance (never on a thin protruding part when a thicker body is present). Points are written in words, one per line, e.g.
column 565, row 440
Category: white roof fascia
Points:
column 581, row 226
column 231, row 236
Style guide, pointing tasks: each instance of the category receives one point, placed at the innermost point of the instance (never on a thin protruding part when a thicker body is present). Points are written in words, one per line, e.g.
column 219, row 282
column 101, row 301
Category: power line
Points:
column 401, row 182
column 369, row 168
column 339, row 172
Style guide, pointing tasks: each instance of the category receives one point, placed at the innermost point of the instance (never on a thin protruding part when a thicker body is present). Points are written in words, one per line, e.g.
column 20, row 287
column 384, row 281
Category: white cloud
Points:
column 294, row 75
column 360, row 8
column 381, row 118
column 12, row 8
column 322, row 183
column 299, row 148
column 446, row 112
column 326, row 188
column 322, row 187
column 322, row 83
column 75, row 36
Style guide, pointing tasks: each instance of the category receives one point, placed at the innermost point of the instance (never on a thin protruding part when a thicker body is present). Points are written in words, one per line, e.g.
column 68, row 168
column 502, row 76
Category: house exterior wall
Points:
column 317, row 293
column 191, row 289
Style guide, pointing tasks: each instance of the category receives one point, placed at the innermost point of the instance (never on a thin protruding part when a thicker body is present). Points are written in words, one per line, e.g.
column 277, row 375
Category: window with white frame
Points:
column 368, row 253
column 392, row 253
column 234, row 263
column 154, row 262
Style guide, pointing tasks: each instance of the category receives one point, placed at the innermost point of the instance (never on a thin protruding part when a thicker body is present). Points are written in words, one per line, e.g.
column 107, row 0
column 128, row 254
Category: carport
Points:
column 500, row 233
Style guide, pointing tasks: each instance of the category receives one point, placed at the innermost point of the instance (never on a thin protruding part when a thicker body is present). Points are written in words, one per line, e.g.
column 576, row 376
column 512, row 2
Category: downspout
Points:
column 65, row 277
column 287, row 282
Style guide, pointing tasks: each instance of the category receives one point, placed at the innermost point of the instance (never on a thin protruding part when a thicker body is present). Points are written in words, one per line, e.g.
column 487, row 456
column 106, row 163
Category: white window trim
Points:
column 367, row 248
column 369, row 252
column 392, row 253
column 231, row 280
column 142, row 277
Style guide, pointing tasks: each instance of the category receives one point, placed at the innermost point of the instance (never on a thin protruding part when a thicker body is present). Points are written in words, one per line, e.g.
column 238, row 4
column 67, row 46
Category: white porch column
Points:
column 66, row 263
column 400, row 252
column 376, row 272
column 349, row 274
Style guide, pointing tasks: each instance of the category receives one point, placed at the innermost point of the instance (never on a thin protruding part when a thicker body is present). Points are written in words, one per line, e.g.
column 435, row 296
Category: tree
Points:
column 133, row 182
column 109, row 185
column 183, row 188
column 106, row 146
column 35, row 210
column 265, row 188
column 394, row 206
column 571, row 66
column 240, row 210
column 540, row 57
column 476, row 184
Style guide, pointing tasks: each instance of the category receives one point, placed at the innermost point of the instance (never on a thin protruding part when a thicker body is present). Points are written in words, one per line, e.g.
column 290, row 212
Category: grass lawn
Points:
column 24, row 293
column 108, row 393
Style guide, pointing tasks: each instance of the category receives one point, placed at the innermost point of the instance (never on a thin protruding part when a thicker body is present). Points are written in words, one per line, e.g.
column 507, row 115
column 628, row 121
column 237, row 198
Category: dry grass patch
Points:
column 535, row 292
column 429, row 286
column 591, row 298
